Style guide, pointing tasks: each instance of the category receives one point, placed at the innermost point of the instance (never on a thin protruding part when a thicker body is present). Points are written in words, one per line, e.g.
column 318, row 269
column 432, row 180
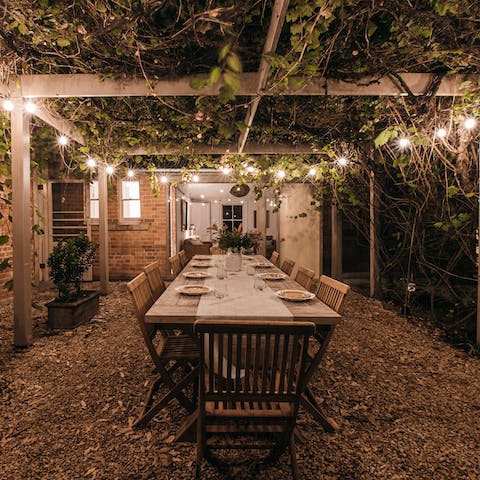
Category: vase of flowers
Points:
column 233, row 241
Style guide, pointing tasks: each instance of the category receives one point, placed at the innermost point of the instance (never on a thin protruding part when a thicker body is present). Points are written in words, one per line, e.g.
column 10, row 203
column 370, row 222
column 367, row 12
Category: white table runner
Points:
column 242, row 302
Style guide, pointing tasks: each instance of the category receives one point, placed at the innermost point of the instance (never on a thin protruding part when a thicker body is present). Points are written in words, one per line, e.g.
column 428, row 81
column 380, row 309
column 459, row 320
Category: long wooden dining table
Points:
column 174, row 310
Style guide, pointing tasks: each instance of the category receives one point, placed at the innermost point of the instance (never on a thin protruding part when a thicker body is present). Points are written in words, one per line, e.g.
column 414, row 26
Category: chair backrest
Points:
column 253, row 361
column 175, row 265
column 183, row 258
column 143, row 299
column 331, row 292
column 287, row 266
column 275, row 257
column 217, row 251
column 304, row 277
column 155, row 280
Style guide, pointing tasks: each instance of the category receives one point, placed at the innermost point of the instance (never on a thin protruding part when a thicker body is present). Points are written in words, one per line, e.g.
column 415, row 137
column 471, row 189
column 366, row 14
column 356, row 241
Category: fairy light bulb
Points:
column 281, row 174
column 130, row 174
column 469, row 123
column 91, row 163
column 441, row 133
column 226, row 170
column 109, row 170
column 30, row 107
column 195, row 178
column 312, row 171
column 8, row 105
column 164, row 179
column 342, row 161
column 250, row 169
column 403, row 143
column 63, row 140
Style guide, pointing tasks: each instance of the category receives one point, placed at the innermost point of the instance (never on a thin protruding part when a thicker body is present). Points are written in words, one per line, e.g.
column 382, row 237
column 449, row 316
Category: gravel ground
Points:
column 408, row 404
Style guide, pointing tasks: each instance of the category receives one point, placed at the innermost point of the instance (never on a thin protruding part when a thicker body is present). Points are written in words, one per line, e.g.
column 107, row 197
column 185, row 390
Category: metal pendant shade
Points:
column 240, row 190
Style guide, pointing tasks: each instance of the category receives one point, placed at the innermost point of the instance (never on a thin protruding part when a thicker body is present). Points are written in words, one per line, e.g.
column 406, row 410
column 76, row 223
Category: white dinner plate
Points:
column 202, row 257
column 262, row 265
column 201, row 264
column 198, row 274
column 193, row 289
column 295, row 295
column 272, row 276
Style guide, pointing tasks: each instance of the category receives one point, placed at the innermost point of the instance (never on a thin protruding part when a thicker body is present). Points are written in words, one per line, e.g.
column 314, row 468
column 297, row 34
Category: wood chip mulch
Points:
column 408, row 404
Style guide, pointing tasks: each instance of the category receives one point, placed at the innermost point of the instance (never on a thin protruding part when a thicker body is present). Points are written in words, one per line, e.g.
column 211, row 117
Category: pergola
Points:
column 254, row 85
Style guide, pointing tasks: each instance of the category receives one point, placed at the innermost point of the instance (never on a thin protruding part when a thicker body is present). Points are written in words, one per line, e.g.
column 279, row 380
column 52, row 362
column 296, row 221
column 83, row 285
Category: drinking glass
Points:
column 250, row 270
column 220, row 289
column 259, row 284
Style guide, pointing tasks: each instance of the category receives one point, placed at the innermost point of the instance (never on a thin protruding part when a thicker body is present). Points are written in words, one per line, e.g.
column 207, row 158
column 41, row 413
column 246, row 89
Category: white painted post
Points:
column 374, row 268
column 320, row 240
column 103, row 228
column 478, row 250
column 21, row 189
column 262, row 223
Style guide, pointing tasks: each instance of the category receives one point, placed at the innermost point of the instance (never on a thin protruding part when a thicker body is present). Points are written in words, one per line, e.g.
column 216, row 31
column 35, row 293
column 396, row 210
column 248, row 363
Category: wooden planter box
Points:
column 71, row 314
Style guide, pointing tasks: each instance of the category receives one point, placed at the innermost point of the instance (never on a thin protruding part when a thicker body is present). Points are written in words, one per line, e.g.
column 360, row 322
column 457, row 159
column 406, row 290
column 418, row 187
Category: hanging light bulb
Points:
column 130, row 174
column 195, row 178
column 8, row 105
column 403, row 143
column 469, row 123
column 109, row 169
column 250, row 169
column 226, row 170
column 91, row 163
column 30, row 107
column 312, row 172
column 164, row 179
column 281, row 174
column 63, row 140
column 441, row 133
column 342, row 161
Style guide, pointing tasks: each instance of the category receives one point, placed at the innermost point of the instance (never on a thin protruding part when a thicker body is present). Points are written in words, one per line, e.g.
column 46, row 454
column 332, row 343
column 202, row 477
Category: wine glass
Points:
column 259, row 284
column 220, row 289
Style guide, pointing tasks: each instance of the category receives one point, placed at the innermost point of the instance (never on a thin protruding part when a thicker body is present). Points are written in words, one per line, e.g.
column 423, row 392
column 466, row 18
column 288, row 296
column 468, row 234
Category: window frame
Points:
column 90, row 200
column 129, row 220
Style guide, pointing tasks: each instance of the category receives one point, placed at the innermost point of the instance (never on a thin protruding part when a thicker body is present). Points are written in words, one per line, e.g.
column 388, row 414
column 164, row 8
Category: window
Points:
column 232, row 216
column 130, row 199
column 94, row 208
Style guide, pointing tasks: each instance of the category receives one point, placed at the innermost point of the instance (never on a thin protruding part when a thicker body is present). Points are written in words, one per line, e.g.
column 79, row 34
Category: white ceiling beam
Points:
column 250, row 148
column 64, row 126
column 87, row 85
column 276, row 24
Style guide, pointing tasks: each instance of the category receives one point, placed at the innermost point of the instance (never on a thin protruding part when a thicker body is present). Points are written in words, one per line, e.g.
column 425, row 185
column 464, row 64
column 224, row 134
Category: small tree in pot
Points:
column 68, row 262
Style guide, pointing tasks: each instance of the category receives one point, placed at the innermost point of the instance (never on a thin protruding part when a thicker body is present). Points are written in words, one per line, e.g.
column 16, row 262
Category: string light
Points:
column 30, row 107
column 130, row 174
column 91, row 163
column 226, row 170
column 342, row 161
column 250, row 169
column 312, row 172
column 8, row 105
column 441, row 133
column 281, row 174
column 195, row 178
column 403, row 143
column 202, row 196
column 63, row 140
column 164, row 179
column 469, row 123
column 109, row 170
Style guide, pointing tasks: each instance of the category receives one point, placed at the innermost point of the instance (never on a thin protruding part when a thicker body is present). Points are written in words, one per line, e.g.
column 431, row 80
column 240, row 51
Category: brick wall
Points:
column 136, row 244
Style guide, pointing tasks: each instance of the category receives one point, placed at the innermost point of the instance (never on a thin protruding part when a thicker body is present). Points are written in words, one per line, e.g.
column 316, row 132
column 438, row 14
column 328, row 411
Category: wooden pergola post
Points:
column 336, row 242
column 262, row 223
column 21, row 194
column 374, row 263
column 103, row 228
column 320, row 240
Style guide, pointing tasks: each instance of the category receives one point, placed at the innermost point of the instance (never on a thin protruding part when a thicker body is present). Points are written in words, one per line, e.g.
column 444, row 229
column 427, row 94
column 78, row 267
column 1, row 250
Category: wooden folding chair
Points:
column 287, row 266
column 175, row 265
column 155, row 280
column 168, row 354
column 304, row 277
column 183, row 258
column 332, row 293
column 275, row 258
column 251, row 381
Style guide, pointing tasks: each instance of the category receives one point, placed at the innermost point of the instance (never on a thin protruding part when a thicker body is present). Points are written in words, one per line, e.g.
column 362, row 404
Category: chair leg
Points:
column 293, row 458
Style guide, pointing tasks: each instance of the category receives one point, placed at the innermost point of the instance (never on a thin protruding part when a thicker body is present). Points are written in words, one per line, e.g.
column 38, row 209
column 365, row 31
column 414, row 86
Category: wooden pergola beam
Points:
column 91, row 85
column 64, row 126
column 279, row 12
column 251, row 149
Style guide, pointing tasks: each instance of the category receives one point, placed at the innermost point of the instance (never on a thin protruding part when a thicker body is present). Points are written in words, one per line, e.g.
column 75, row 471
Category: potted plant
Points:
column 233, row 241
column 68, row 262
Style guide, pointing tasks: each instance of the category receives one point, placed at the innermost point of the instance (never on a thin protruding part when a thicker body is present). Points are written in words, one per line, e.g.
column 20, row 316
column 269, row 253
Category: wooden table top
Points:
column 174, row 310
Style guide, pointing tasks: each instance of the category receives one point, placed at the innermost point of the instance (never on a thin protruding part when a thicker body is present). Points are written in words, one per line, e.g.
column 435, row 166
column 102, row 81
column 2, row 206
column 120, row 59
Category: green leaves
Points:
column 386, row 135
